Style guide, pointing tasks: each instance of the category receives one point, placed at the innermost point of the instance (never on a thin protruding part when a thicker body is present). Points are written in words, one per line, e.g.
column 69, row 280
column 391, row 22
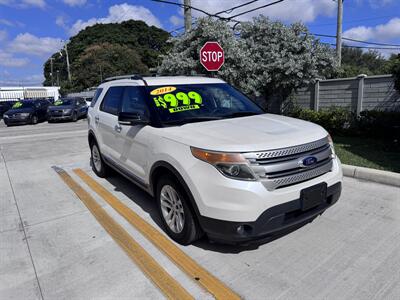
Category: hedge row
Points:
column 341, row 121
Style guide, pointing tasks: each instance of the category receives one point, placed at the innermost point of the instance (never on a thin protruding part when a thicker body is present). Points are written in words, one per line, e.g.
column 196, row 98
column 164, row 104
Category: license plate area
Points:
column 313, row 196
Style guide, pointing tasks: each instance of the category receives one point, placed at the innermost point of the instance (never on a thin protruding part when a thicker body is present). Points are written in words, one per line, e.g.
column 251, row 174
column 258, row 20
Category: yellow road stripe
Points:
column 168, row 285
column 212, row 284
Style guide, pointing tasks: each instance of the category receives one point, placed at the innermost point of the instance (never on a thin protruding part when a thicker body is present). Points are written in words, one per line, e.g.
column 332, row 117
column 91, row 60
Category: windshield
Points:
column 177, row 104
column 20, row 105
column 64, row 102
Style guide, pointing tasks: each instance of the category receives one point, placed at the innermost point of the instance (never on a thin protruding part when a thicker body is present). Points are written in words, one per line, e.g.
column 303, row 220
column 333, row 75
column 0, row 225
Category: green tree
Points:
column 264, row 58
column 98, row 62
column 394, row 68
column 147, row 41
column 355, row 61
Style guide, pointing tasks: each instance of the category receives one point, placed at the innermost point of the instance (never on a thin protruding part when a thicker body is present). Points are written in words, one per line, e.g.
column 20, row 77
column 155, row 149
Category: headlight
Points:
column 232, row 165
column 24, row 115
column 67, row 111
column 5, row 116
column 332, row 146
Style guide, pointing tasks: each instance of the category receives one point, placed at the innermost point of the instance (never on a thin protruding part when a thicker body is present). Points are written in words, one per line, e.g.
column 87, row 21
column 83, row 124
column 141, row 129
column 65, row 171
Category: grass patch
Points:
column 369, row 153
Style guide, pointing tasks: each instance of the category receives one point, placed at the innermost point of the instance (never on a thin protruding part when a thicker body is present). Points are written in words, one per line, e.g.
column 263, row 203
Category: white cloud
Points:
column 291, row 11
column 24, row 3
column 61, row 21
column 37, row 3
column 118, row 14
column 175, row 20
column 8, row 60
column 75, row 2
column 29, row 44
column 382, row 32
column 3, row 35
column 11, row 23
column 9, row 80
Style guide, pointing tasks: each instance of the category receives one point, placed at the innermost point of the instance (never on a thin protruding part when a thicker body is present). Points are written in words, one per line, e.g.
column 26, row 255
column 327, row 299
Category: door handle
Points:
column 118, row 128
column 97, row 119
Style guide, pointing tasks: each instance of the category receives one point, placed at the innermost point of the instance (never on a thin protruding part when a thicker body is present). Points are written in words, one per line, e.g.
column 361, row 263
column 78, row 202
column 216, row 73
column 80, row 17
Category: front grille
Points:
column 283, row 167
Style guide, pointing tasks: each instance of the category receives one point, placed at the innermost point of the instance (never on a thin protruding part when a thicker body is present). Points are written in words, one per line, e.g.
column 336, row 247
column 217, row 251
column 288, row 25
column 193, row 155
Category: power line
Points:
column 184, row 6
column 254, row 9
column 358, row 41
column 365, row 47
column 228, row 11
column 354, row 21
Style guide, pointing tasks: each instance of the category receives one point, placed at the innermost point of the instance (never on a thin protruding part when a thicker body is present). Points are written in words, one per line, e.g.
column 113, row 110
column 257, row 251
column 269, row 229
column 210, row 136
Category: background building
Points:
column 18, row 93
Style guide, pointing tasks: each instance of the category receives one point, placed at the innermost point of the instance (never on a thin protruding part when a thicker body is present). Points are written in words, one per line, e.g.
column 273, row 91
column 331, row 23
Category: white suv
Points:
column 215, row 161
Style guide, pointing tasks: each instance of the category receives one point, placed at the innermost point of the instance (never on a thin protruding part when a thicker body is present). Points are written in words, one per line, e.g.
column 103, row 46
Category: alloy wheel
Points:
column 172, row 208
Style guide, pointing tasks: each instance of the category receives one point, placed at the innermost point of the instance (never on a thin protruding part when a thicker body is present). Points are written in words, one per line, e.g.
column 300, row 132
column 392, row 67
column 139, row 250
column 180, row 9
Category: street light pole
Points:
column 51, row 71
column 188, row 15
column 339, row 32
column 68, row 66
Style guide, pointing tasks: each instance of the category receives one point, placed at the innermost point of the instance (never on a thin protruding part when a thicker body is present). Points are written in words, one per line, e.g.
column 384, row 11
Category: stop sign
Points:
column 212, row 56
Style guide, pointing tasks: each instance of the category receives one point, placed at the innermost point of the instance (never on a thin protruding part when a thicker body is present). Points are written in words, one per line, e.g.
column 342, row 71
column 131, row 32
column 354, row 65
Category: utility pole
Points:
column 51, row 71
column 68, row 66
column 188, row 15
column 339, row 31
column 58, row 78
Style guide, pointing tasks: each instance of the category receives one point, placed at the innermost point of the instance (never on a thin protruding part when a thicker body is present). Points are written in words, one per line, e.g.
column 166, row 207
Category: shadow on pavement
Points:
column 148, row 204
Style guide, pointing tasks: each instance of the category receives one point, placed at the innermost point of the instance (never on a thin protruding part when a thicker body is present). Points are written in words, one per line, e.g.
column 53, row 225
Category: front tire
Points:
column 74, row 117
column 96, row 161
column 176, row 215
column 34, row 120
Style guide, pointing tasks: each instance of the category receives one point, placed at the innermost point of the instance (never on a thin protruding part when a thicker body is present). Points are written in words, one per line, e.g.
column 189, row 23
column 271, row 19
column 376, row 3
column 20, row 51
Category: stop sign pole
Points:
column 212, row 56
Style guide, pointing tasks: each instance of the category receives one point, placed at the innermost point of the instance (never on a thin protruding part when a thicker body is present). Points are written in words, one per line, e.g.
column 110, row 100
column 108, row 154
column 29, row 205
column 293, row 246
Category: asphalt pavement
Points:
column 52, row 246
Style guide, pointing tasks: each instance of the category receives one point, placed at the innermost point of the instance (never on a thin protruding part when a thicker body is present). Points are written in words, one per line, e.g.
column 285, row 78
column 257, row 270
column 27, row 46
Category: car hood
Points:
column 19, row 111
column 245, row 134
column 60, row 107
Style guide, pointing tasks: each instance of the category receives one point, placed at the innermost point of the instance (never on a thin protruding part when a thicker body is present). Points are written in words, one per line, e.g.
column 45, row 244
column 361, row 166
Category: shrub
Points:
column 382, row 124
column 335, row 120
column 340, row 121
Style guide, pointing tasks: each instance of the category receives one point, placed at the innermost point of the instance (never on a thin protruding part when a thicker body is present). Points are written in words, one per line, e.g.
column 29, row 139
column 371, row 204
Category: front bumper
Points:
column 59, row 118
column 272, row 221
column 17, row 121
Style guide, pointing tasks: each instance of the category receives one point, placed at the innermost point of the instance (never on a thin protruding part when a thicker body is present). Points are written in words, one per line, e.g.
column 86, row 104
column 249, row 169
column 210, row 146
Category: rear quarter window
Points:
column 96, row 97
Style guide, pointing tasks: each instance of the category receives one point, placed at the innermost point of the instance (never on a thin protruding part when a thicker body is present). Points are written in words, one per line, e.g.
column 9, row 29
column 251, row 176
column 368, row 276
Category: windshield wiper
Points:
column 191, row 120
column 241, row 114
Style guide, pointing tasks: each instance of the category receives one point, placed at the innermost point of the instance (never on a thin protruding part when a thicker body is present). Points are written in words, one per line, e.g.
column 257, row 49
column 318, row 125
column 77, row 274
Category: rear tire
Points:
column 175, row 213
column 99, row 167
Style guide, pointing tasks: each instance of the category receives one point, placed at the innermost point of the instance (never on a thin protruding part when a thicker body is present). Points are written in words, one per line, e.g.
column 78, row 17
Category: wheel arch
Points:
column 161, row 168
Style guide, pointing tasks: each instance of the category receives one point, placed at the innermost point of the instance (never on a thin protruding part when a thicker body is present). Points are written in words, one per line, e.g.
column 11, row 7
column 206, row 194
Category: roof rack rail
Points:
column 131, row 77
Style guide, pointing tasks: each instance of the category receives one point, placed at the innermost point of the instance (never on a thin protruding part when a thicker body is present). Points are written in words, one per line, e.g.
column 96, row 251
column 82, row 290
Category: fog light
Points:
column 240, row 229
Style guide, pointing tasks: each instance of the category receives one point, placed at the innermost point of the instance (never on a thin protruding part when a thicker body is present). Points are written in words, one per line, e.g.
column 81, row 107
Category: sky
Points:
column 31, row 30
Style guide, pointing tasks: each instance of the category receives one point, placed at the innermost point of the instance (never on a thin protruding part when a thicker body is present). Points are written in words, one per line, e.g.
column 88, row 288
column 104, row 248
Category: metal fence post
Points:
column 360, row 96
column 316, row 94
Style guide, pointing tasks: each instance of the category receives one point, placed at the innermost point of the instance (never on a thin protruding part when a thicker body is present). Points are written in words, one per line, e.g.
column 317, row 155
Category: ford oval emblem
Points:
column 308, row 161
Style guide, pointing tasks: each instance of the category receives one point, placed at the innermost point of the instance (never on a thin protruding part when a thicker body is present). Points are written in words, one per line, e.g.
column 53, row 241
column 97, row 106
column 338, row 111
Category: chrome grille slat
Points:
column 300, row 177
column 288, row 151
column 282, row 167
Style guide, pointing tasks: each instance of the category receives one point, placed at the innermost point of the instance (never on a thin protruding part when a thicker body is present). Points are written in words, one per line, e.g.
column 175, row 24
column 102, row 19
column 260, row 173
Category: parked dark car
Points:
column 67, row 109
column 27, row 112
column 4, row 106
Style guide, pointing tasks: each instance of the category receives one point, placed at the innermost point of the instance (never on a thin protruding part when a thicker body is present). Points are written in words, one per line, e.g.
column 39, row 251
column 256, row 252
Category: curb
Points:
column 379, row 176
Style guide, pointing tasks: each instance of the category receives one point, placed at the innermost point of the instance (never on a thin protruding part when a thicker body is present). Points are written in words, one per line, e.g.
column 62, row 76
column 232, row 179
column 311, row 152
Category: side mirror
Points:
column 128, row 118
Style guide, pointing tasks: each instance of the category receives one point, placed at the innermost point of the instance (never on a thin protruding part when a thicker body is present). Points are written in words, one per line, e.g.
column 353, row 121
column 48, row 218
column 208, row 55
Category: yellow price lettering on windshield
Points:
column 179, row 102
column 17, row 105
column 58, row 102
